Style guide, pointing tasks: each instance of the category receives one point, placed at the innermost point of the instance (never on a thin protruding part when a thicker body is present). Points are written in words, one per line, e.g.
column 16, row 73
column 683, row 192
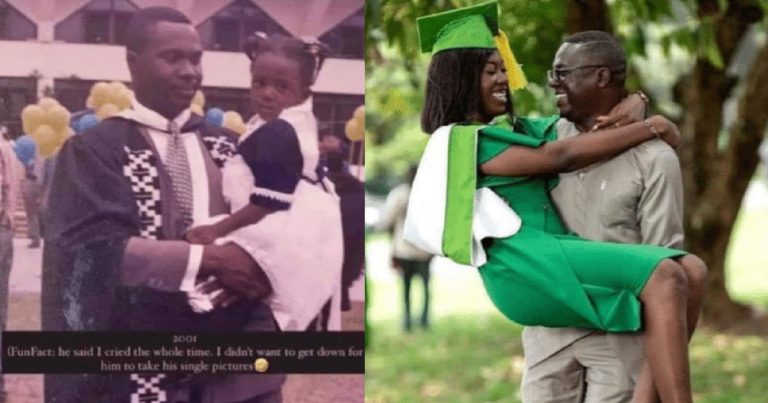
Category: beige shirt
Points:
column 636, row 197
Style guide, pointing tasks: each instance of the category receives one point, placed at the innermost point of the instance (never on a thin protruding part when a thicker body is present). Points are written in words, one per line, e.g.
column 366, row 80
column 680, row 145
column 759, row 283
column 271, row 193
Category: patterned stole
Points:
column 141, row 169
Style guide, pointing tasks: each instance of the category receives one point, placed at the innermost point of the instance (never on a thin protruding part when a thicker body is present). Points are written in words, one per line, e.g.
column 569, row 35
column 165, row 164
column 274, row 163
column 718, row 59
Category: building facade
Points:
column 60, row 48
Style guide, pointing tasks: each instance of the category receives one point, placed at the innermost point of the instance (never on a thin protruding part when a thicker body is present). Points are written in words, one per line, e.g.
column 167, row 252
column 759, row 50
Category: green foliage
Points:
column 479, row 359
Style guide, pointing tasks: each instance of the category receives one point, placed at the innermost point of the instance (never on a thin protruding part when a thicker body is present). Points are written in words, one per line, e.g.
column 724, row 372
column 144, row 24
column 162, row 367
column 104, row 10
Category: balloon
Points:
column 233, row 121
column 63, row 134
column 99, row 94
column 353, row 130
column 107, row 111
column 47, row 103
column 195, row 108
column 58, row 117
column 359, row 116
column 86, row 122
column 199, row 99
column 117, row 87
column 25, row 149
column 214, row 117
column 32, row 117
column 48, row 150
column 89, row 103
column 122, row 99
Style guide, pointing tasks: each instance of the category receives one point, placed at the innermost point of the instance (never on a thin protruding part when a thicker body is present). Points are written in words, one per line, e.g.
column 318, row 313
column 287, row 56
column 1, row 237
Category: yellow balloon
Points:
column 99, row 94
column 44, row 135
column 31, row 117
column 232, row 117
column 57, row 117
column 89, row 102
column 107, row 111
column 195, row 108
column 240, row 129
column 47, row 103
column 121, row 99
column 359, row 116
column 64, row 134
column 117, row 87
column 48, row 150
column 199, row 99
column 353, row 130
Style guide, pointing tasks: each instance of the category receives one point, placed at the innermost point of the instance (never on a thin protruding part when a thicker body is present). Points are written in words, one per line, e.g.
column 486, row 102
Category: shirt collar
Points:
column 142, row 114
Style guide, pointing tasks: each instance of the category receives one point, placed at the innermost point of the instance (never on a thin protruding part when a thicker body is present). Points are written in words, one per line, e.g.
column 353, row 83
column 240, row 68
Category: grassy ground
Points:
column 472, row 354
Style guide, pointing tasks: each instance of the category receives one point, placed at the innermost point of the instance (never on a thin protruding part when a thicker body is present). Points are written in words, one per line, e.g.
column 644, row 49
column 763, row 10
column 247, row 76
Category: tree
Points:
column 719, row 155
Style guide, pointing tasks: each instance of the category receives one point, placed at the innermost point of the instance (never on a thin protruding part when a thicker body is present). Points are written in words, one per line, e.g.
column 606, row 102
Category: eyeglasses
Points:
column 558, row 75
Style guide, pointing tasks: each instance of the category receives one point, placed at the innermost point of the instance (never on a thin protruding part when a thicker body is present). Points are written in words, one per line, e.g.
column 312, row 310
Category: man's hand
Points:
column 235, row 270
column 630, row 110
column 222, row 297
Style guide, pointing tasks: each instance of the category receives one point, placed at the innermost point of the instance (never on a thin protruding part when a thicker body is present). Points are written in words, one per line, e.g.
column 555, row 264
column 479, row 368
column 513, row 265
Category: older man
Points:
column 635, row 197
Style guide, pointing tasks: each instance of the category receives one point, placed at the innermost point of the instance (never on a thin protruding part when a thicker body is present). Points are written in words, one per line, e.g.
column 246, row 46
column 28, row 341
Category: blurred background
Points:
column 704, row 64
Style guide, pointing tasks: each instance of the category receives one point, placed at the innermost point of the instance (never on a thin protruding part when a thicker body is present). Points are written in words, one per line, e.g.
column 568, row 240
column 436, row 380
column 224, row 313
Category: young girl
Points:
column 285, row 216
column 481, row 197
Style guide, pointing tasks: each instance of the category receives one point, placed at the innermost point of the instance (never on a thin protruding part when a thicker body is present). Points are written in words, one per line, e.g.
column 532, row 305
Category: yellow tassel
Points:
column 514, row 71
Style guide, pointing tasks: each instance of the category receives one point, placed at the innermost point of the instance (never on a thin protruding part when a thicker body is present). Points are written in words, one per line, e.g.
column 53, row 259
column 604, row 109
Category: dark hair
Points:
column 453, row 92
column 309, row 55
column 139, row 30
column 603, row 48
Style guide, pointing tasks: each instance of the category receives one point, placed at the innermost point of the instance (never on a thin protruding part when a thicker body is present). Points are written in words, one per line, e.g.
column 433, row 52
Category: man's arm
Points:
column 92, row 208
column 660, row 210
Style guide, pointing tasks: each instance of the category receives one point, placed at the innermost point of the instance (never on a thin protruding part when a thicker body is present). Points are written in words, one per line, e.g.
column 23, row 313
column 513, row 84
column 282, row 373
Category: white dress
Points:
column 300, row 249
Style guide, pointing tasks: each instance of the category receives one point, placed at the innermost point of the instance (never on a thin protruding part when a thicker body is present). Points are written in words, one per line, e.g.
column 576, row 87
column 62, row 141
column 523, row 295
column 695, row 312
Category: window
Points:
column 15, row 94
column 347, row 40
column 72, row 94
column 333, row 111
column 14, row 25
column 228, row 29
column 100, row 21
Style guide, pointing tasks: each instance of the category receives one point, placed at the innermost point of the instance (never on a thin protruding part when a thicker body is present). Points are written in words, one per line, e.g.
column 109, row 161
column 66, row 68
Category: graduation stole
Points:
column 460, row 193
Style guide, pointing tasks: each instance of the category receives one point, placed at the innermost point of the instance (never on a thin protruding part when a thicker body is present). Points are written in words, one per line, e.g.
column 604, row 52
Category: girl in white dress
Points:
column 285, row 215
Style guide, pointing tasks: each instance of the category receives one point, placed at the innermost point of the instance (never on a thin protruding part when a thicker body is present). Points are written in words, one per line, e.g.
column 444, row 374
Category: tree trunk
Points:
column 716, row 178
column 586, row 15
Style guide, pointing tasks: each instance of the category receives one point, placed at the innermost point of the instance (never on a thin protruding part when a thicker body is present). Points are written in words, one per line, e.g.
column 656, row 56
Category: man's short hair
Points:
column 139, row 30
column 601, row 47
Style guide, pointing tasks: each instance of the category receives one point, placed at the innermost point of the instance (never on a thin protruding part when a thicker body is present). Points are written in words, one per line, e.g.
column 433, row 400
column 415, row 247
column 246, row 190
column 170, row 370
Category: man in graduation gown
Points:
column 122, row 196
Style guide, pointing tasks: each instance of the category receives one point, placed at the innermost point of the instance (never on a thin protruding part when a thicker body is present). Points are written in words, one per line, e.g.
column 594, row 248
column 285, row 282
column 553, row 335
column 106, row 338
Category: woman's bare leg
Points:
column 696, row 273
column 666, row 332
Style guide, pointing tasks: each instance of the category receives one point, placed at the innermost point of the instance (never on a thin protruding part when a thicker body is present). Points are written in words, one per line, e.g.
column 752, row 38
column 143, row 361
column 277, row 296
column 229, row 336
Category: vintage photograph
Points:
column 182, row 166
column 566, row 201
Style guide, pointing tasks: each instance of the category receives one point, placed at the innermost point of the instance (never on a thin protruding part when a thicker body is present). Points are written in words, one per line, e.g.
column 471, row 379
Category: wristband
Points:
column 651, row 128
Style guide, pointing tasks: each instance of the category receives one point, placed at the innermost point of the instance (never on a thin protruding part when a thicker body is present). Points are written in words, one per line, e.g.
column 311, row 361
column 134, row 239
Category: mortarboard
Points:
column 475, row 27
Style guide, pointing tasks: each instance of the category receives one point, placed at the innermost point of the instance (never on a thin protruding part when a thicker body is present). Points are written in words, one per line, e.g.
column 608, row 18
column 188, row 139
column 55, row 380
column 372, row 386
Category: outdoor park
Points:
column 703, row 65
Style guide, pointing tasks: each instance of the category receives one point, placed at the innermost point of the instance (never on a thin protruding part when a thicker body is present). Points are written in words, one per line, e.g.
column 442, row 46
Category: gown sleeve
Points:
column 274, row 157
column 527, row 132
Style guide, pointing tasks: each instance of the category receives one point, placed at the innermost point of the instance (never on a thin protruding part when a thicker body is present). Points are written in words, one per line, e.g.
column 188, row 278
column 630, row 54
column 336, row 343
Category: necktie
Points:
column 177, row 164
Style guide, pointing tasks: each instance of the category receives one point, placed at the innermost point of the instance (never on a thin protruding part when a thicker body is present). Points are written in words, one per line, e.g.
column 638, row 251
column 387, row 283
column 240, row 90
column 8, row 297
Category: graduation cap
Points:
column 475, row 27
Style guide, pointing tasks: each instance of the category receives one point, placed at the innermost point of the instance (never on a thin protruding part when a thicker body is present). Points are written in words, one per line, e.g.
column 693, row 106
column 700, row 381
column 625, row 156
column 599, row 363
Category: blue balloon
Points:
column 215, row 117
column 86, row 122
column 25, row 149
